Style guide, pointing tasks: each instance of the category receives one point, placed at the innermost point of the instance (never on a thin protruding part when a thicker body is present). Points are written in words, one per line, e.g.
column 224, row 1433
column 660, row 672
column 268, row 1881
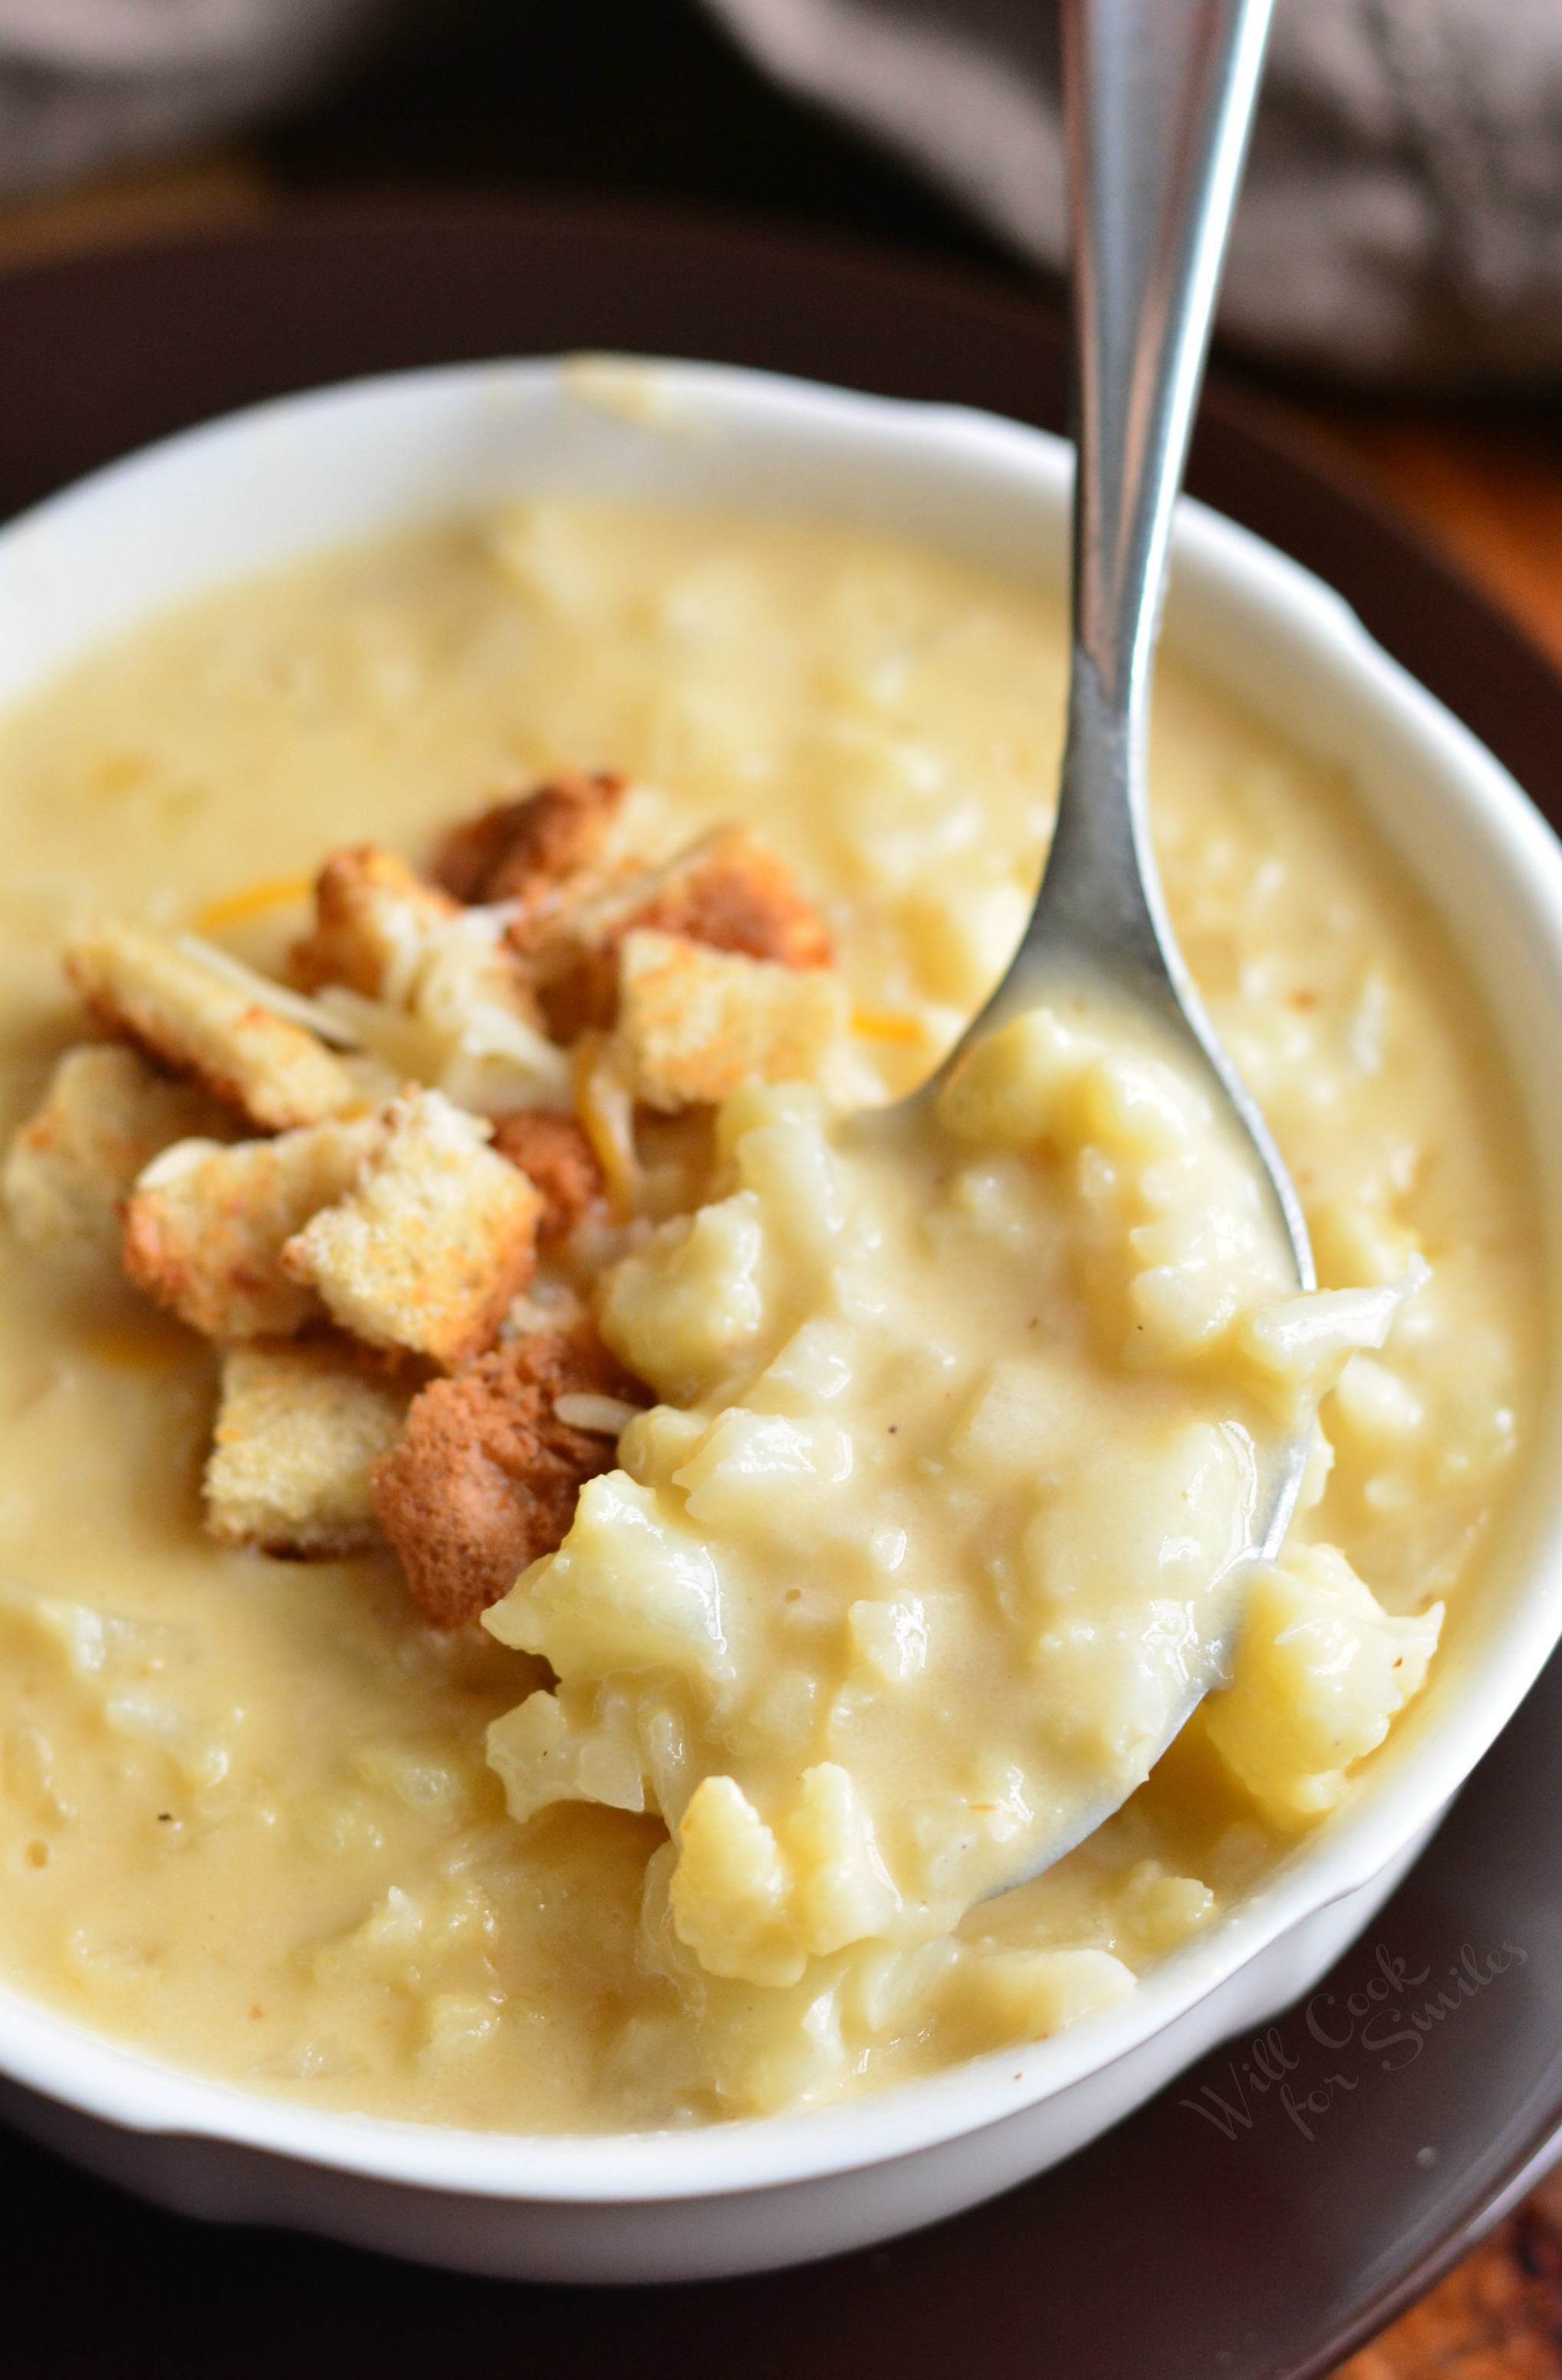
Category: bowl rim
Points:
column 99, row 2076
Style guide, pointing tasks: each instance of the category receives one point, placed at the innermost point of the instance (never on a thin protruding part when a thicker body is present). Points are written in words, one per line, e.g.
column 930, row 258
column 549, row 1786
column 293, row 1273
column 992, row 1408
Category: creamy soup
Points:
column 931, row 1461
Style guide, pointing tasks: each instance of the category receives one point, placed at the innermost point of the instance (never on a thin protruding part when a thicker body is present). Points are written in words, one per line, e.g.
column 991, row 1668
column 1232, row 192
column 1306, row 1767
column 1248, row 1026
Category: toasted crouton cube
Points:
column 730, row 892
column 727, row 891
column 429, row 1248
column 698, row 1025
column 205, row 1228
column 435, row 987
column 484, row 1479
column 373, row 920
column 575, row 979
column 523, row 850
column 555, row 1154
column 299, row 1429
column 201, row 1025
column 106, row 1114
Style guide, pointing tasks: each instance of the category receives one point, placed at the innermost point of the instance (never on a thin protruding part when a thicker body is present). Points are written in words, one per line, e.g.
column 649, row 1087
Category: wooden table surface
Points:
column 1486, row 485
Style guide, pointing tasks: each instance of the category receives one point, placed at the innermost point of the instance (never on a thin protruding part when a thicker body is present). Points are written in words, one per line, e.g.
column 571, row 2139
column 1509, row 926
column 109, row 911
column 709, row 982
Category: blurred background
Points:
column 1396, row 276
column 1401, row 220
column 1397, row 266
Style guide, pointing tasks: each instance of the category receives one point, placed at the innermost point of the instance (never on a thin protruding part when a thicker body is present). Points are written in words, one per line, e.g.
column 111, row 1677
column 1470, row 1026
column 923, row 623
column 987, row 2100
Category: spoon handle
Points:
column 1158, row 98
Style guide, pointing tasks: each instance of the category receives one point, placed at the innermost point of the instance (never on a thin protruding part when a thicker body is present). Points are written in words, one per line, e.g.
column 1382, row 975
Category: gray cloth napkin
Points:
column 1402, row 214
column 84, row 84
column 1402, row 217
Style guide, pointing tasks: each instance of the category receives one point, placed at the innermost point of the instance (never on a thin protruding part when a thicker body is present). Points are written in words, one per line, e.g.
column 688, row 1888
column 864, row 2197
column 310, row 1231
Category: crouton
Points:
column 525, row 850
column 105, row 1115
column 698, row 1025
column 193, row 1019
column 434, row 987
column 299, row 1429
column 373, row 920
column 574, row 981
column 429, row 1248
column 730, row 892
column 727, row 891
column 205, row 1228
column 556, row 1156
column 484, row 1479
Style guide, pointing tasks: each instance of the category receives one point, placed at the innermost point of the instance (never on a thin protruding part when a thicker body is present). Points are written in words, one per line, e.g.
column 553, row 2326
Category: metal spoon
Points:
column 1160, row 96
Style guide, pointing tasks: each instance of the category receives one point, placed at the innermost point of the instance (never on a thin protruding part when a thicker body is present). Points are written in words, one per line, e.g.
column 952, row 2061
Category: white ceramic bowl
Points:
column 272, row 485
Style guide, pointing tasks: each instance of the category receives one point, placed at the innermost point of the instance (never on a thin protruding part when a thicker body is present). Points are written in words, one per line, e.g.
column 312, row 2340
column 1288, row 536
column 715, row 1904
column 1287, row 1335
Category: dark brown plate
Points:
column 1282, row 2200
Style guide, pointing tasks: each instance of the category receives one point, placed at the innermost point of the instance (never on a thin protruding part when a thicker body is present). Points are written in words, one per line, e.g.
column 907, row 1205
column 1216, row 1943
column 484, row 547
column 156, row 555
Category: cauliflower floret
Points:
column 681, row 1311
column 1181, row 1200
column 1166, row 1522
column 1012, row 1085
column 1321, row 1670
column 1300, row 1346
column 1000, row 1995
column 1208, row 1252
column 890, row 1636
column 630, row 1589
column 688, row 1309
column 756, row 1903
column 1044, row 1077
column 841, row 1892
column 781, row 1153
column 547, row 1751
column 730, row 1891
column 746, row 1460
